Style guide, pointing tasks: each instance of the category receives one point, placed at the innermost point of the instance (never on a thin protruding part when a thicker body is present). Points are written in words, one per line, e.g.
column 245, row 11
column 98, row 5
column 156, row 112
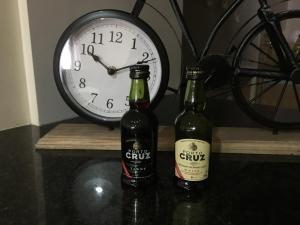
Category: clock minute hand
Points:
column 145, row 61
column 138, row 62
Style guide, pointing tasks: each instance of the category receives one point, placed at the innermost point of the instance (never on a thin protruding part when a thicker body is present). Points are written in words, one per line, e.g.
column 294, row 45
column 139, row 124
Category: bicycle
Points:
column 275, row 62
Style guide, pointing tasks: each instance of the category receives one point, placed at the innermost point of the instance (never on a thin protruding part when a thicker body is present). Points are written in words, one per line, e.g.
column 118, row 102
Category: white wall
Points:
column 14, row 99
column 48, row 19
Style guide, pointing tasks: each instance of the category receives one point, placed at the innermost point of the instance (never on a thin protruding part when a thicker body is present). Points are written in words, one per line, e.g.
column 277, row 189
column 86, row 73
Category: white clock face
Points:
column 94, row 65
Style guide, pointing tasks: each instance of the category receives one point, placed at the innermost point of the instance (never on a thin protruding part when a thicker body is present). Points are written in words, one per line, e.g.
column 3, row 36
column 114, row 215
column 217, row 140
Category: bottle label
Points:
column 137, row 159
column 192, row 159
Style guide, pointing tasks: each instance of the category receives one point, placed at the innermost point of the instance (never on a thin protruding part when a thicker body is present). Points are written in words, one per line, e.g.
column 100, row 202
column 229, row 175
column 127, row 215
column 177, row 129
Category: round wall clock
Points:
column 92, row 60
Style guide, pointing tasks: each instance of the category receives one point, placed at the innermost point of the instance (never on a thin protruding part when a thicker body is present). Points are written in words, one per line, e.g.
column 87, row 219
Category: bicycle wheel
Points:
column 264, row 91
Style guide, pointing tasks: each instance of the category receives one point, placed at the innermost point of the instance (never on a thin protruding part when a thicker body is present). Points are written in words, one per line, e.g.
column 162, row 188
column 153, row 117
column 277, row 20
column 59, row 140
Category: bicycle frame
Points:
column 264, row 7
column 287, row 60
column 180, row 19
column 278, row 41
column 213, row 33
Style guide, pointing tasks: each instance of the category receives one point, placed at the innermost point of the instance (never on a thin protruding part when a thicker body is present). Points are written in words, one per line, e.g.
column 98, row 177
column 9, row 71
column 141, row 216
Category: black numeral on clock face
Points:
column 116, row 37
column 82, row 83
column 134, row 43
column 94, row 96
column 77, row 65
column 146, row 56
column 127, row 101
column 109, row 103
column 97, row 38
column 87, row 49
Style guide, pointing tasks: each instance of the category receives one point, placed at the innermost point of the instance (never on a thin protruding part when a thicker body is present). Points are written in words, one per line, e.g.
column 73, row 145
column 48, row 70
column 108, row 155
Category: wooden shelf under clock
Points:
column 80, row 136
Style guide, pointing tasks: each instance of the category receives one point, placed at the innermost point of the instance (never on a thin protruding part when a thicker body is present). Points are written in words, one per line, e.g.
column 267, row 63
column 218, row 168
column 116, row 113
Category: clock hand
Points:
column 138, row 62
column 145, row 61
column 97, row 59
column 111, row 70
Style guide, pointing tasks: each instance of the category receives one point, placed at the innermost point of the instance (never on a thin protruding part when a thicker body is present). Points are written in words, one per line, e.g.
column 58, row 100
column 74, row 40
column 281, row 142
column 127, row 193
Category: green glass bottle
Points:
column 193, row 133
column 139, row 133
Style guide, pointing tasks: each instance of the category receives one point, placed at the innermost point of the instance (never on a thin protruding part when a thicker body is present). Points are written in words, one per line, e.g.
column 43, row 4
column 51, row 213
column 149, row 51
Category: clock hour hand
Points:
column 97, row 59
column 138, row 62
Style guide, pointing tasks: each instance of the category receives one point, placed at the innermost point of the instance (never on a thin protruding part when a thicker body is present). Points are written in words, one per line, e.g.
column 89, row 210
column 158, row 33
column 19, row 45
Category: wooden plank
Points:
column 256, row 141
column 225, row 140
column 94, row 137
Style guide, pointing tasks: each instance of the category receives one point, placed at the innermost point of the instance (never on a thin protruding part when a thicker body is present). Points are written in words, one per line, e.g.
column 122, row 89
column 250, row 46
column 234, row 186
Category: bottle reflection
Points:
column 139, row 207
column 190, row 209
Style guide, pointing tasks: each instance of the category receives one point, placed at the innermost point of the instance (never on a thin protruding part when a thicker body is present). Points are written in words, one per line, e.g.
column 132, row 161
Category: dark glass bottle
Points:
column 139, row 133
column 192, row 135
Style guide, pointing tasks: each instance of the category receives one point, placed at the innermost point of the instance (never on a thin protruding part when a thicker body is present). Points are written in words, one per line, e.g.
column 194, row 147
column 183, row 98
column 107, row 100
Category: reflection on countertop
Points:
column 83, row 187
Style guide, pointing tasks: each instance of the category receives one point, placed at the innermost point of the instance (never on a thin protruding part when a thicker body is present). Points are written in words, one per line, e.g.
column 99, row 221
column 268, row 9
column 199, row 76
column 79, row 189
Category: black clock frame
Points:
column 78, row 24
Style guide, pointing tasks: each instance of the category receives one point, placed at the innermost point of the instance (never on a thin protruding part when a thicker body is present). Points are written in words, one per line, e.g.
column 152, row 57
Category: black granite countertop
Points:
column 83, row 187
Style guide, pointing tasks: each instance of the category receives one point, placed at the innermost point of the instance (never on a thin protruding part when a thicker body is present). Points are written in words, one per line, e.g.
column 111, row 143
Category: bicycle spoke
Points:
column 264, row 53
column 263, row 61
column 260, row 63
column 224, row 93
column 260, row 83
column 227, row 91
column 297, row 95
column 260, row 73
column 280, row 100
column 263, row 92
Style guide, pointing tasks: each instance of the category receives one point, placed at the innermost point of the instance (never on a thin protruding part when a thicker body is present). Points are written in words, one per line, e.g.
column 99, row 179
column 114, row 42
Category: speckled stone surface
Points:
column 72, row 188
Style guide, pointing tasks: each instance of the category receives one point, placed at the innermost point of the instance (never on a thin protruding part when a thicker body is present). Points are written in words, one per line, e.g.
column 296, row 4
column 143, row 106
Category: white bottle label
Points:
column 192, row 159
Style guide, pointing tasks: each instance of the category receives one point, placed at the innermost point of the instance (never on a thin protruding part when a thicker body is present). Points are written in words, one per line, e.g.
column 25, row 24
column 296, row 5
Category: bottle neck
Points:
column 139, row 94
column 195, row 98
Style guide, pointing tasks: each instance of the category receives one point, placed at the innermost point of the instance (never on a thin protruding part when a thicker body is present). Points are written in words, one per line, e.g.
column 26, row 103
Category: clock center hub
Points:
column 111, row 70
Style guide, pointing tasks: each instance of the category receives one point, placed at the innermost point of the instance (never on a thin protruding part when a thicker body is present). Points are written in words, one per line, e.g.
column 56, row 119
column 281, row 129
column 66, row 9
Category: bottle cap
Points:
column 194, row 72
column 139, row 71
